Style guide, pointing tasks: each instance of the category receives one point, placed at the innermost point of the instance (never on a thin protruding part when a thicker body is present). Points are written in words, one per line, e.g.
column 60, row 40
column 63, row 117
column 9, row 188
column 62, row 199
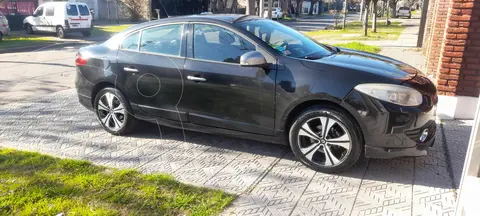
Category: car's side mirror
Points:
column 253, row 59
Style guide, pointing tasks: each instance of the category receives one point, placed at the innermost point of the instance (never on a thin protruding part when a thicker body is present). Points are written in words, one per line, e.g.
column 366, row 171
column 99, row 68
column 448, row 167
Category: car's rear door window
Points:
column 83, row 9
column 131, row 42
column 72, row 10
column 162, row 40
column 50, row 11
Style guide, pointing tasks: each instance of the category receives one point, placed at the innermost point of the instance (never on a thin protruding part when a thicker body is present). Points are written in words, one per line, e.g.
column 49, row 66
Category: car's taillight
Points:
column 79, row 60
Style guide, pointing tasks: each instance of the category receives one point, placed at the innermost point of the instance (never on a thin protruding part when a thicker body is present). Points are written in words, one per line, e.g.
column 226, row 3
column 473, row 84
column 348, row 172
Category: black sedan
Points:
column 254, row 78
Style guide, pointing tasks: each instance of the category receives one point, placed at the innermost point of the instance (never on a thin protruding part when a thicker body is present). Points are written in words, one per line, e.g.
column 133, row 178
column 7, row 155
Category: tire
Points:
column 110, row 115
column 86, row 33
column 60, row 32
column 29, row 29
column 338, row 151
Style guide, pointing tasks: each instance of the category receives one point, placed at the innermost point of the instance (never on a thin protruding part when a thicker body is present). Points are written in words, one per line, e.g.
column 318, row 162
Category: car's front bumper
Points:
column 391, row 130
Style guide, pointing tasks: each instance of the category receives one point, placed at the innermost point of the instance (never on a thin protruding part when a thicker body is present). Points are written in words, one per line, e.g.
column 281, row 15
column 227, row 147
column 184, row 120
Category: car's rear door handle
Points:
column 129, row 69
column 196, row 79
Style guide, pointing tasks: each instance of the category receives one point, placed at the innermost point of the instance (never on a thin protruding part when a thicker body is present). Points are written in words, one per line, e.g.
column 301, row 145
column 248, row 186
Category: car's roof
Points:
column 227, row 18
column 62, row 3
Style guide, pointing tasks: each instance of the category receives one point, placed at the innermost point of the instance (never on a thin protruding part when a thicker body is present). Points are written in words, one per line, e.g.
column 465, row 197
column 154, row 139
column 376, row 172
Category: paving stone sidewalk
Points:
column 267, row 178
column 403, row 49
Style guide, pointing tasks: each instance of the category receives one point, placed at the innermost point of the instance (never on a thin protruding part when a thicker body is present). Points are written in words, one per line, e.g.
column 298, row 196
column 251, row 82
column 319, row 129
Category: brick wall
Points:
column 437, row 31
column 458, row 67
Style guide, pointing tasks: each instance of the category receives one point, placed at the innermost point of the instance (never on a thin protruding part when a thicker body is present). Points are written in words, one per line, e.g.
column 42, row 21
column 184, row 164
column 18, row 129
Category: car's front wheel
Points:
column 60, row 32
column 28, row 29
column 113, row 112
column 325, row 139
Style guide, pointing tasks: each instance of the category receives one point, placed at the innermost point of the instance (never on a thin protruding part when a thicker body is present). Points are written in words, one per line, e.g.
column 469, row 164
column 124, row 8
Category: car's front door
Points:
column 218, row 91
column 39, row 23
column 152, row 62
column 49, row 18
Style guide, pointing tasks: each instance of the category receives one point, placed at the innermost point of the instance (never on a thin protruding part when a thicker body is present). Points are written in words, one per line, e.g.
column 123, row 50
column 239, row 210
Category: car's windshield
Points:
column 285, row 40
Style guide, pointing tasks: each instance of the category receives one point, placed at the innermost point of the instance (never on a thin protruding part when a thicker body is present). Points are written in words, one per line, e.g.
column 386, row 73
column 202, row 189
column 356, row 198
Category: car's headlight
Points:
column 397, row 94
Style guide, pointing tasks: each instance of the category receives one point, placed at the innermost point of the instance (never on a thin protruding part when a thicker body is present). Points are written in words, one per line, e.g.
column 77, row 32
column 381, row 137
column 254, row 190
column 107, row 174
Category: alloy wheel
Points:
column 324, row 141
column 111, row 111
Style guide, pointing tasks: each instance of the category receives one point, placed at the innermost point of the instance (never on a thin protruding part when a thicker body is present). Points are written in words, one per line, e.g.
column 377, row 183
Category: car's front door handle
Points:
column 196, row 79
column 128, row 69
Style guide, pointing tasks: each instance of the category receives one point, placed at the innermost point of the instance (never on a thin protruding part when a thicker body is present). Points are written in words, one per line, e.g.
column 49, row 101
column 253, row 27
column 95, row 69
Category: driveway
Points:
column 267, row 178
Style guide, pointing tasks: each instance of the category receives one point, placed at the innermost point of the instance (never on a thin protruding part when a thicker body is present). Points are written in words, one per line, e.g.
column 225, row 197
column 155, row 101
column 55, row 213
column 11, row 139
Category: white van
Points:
column 60, row 17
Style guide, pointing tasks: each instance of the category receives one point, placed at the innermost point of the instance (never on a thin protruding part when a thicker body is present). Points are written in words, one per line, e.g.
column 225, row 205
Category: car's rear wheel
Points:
column 28, row 29
column 60, row 32
column 113, row 111
column 325, row 139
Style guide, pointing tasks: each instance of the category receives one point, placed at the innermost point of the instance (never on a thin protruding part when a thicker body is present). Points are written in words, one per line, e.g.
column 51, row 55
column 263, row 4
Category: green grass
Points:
column 109, row 29
column 14, row 41
column 36, row 184
column 360, row 46
column 353, row 31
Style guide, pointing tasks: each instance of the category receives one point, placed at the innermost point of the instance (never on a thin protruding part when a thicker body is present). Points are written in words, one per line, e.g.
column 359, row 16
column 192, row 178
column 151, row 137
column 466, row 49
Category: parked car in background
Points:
column 61, row 18
column 276, row 13
column 254, row 78
column 404, row 12
column 4, row 28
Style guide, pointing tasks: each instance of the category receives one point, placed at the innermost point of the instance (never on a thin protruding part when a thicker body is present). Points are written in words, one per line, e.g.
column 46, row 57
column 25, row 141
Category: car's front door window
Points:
column 214, row 43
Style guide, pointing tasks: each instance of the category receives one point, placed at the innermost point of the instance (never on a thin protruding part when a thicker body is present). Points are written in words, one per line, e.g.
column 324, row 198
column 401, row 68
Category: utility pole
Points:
column 270, row 4
column 344, row 14
column 260, row 8
column 423, row 21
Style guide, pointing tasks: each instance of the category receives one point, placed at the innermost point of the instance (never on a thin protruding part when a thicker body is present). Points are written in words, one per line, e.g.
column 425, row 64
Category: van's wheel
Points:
column 113, row 111
column 60, row 32
column 28, row 29
column 325, row 139
column 86, row 33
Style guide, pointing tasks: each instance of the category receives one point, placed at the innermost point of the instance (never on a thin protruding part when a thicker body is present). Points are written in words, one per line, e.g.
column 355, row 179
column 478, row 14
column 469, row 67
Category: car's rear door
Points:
column 78, row 16
column 151, row 61
column 218, row 91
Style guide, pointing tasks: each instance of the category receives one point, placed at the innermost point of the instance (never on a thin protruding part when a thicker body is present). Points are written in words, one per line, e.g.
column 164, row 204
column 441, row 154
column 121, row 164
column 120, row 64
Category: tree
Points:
column 365, row 18
column 387, row 22
column 250, row 7
column 393, row 7
column 299, row 7
column 374, row 15
column 345, row 14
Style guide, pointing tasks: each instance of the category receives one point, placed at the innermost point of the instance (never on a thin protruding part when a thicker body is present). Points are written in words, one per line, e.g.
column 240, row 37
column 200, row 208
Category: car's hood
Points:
column 370, row 63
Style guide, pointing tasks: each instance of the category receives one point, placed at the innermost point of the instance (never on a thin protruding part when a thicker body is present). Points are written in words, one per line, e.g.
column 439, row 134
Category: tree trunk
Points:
column 233, row 8
column 344, row 14
column 250, row 7
column 284, row 5
column 362, row 6
column 387, row 22
column 393, row 7
column 299, row 7
column 374, row 16
column 365, row 18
